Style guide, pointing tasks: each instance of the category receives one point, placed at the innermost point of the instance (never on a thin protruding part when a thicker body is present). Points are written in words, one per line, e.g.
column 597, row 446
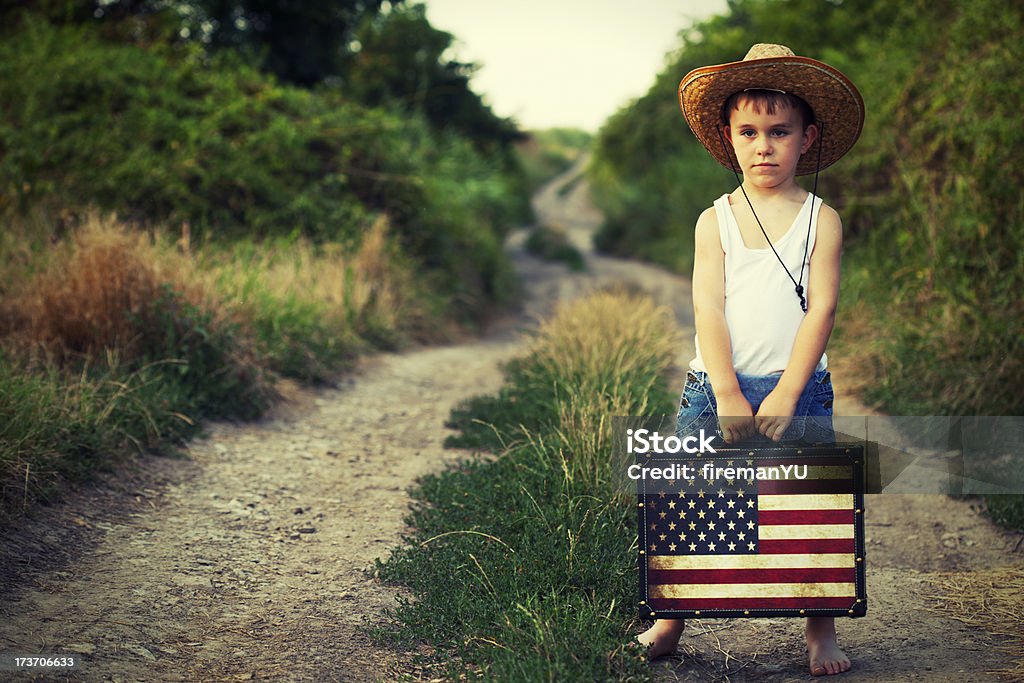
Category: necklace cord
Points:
column 797, row 284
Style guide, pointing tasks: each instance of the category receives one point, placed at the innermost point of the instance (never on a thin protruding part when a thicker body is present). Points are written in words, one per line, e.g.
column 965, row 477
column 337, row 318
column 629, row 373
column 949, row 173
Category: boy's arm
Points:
column 735, row 415
column 776, row 411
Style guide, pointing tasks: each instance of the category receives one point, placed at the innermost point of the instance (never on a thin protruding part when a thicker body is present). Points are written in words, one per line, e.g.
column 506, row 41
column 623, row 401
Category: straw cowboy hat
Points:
column 838, row 107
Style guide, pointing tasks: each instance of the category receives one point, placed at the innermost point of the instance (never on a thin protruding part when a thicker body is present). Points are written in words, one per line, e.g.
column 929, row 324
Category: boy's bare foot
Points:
column 825, row 655
column 662, row 638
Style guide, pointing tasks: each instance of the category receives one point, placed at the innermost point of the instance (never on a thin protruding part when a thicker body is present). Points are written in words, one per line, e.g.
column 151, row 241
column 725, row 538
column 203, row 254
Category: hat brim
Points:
column 836, row 102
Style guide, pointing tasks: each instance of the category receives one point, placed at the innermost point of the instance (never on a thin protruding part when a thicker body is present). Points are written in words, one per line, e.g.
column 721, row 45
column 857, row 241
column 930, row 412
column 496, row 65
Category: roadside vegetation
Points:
column 523, row 567
column 190, row 215
column 931, row 319
column 546, row 153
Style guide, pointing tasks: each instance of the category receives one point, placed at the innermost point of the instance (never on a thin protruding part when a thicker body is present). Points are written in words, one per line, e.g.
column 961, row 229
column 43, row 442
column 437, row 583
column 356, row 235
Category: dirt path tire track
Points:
column 247, row 560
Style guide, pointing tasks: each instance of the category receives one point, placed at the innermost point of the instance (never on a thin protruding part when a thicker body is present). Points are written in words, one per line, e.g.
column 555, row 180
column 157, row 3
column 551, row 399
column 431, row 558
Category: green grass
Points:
column 1006, row 510
column 523, row 567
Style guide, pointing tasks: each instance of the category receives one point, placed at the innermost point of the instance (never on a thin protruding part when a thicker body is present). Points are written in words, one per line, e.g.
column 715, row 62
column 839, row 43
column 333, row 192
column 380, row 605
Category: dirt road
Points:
column 248, row 559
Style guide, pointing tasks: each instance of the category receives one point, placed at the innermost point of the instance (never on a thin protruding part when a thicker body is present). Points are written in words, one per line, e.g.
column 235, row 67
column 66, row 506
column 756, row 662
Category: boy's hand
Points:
column 775, row 414
column 736, row 418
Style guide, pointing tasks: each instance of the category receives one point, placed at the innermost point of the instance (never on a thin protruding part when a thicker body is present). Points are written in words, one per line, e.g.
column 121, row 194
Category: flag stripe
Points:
column 823, row 501
column 806, row 517
column 755, row 590
column 816, row 546
column 795, row 486
column 771, row 532
column 779, row 561
column 750, row 604
column 748, row 576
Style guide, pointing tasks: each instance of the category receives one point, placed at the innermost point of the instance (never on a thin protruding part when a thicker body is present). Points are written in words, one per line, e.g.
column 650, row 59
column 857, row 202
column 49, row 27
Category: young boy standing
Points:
column 766, row 265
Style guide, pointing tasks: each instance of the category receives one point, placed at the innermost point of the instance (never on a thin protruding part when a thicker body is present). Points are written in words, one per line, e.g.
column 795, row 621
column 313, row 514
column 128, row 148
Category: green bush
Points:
column 166, row 134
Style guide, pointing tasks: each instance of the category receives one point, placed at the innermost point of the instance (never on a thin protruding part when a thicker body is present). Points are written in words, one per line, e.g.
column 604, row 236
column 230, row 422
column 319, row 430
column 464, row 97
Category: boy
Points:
column 764, row 287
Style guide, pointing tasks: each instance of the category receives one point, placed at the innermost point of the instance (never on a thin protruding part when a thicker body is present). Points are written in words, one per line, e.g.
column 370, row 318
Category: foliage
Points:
column 165, row 135
column 300, row 43
column 523, row 566
column 547, row 153
column 929, row 195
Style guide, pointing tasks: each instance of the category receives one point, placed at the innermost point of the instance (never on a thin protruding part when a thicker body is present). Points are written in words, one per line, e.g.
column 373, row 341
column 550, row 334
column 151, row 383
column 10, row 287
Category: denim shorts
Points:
column 812, row 419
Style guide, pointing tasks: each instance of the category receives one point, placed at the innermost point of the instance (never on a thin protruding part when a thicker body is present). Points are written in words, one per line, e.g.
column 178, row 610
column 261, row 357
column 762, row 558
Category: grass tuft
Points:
column 523, row 567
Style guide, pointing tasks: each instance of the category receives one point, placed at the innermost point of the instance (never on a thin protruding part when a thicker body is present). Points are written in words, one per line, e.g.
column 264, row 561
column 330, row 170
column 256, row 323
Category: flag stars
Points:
column 671, row 526
column 711, row 505
column 671, row 505
column 700, row 493
column 743, row 535
column 751, row 503
column 731, row 504
column 662, row 537
column 672, row 547
column 750, row 524
column 732, row 546
column 721, row 514
column 682, row 537
column 721, row 535
column 721, row 493
column 739, row 494
column 654, row 548
column 711, row 526
column 750, row 546
column 701, row 536
column 732, row 525
column 741, row 514
column 662, row 515
column 654, row 526
column 661, row 494
column 682, row 514
column 693, row 526
column 711, row 546
column 693, row 547
column 701, row 513
column 691, row 504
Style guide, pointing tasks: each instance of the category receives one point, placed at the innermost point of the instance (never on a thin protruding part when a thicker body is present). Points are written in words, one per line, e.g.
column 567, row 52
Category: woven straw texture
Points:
column 835, row 100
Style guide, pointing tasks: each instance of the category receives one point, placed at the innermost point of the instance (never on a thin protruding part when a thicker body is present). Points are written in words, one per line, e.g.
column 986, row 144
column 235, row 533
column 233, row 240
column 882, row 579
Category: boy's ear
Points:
column 810, row 135
column 728, row 138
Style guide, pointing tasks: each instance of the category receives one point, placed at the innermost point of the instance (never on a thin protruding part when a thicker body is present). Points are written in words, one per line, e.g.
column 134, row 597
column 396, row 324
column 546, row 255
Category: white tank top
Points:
column 762, row 310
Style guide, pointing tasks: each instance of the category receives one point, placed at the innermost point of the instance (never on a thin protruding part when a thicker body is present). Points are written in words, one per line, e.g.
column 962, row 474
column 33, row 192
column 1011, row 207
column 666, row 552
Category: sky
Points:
column 571, row 63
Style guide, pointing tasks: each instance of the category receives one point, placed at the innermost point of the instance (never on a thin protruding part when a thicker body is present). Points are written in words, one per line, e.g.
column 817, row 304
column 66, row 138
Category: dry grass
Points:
column 87, row 300
column 609, row 349
column 607, row 336
column 370, row 291
column 991, row 600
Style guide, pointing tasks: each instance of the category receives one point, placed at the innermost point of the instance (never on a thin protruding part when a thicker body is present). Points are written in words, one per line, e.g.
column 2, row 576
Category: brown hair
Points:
column 769, row 100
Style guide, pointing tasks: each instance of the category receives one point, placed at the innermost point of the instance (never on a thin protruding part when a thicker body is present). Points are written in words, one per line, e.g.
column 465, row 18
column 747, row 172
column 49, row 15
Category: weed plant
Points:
column 522, row 567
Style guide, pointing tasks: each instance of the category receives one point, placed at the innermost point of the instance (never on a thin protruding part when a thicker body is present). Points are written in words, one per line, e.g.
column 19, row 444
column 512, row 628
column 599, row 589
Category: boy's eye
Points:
column 780, row 133
column 747, row 133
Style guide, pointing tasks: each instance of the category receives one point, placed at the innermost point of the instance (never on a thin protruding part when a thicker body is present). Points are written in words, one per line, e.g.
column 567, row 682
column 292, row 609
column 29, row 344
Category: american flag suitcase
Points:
column 753, row 532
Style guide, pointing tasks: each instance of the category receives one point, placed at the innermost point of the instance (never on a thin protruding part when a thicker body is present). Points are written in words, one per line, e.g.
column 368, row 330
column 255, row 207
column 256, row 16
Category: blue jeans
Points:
column 812, row 419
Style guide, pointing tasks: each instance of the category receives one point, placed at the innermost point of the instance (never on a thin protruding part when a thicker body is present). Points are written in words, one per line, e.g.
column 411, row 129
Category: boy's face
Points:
column 768, row 146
